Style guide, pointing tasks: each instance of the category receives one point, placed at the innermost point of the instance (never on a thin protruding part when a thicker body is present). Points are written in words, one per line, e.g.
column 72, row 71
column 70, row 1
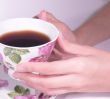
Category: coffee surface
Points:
column 24, row 38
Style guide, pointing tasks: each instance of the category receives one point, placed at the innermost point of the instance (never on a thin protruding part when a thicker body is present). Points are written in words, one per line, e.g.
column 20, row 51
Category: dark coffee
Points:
column 25, row 38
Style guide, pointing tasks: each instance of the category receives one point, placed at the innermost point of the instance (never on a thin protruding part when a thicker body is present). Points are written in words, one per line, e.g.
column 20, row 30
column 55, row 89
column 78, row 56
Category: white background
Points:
column 72, row 12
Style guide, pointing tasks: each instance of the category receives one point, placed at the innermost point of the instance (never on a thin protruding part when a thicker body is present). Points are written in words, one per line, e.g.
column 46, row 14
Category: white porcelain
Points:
column 15, row 55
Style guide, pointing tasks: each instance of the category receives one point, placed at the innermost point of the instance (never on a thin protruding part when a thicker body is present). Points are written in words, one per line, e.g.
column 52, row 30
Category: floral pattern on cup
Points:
column 15, row 55
column 42, row 58
column 5, row 69
column 44, row 53
column 46, row 50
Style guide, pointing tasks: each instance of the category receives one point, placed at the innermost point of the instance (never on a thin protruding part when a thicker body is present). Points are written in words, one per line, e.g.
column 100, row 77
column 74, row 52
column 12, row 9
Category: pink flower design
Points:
column 3, row 83
column 39, row 59
column 7, row 66
column 44, row 96
column 46, row 50
column 44, row 53
column 5, row 69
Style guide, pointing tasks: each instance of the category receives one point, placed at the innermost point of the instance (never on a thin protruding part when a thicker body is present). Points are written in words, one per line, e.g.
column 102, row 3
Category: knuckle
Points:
column 79, row 84
column 81, row 65
column 48, row 70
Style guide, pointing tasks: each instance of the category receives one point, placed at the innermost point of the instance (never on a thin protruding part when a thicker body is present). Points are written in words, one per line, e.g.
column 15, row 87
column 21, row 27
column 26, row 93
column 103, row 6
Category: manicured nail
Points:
column 11, row 74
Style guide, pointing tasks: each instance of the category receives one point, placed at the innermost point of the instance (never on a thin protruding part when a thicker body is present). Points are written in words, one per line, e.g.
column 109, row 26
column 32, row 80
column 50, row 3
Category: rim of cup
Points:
column 50, row 24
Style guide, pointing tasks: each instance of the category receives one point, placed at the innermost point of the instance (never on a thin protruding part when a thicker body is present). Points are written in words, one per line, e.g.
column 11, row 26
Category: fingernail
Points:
column 11, row 73
column 36, row 17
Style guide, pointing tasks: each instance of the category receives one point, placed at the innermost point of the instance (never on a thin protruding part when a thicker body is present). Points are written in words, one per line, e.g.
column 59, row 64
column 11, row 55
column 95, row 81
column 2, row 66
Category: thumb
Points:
column 42, row 15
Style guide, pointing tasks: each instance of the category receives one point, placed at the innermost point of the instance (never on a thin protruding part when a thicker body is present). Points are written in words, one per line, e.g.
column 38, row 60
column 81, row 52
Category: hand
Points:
column 88, row 72
column 62, row 27
column 65, row 32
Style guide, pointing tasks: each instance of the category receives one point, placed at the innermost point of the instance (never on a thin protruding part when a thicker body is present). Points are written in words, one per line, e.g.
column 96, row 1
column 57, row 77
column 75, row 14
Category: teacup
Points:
column 16, row 55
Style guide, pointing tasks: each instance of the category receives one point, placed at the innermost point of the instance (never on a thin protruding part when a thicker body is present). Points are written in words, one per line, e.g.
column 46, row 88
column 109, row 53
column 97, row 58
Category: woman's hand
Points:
column 87, row 72
column 65, row 33
column 80, row 68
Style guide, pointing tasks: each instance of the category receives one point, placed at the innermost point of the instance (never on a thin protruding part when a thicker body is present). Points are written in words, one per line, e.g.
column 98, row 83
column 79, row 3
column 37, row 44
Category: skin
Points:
column 76, row 68
column 89, row 32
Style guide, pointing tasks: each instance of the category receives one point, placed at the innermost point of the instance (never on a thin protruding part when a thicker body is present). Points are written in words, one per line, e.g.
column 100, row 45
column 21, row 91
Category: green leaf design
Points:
column 26, row 92
column 13, row 94
column 15, row 57
column 19, row 89
column 7, row 51
column 21, row 51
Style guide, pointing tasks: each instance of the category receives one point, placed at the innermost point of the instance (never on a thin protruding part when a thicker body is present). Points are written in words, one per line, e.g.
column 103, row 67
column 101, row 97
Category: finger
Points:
column 36, row 83
column 57, row 55
column 54, row 57
column 36, row 17
column 30, row 80
column 63, row 28
column 77, row 49
column 61, row 91
column 44, row 15
column 49, row 17
column 72, row 48
column 73, row 65
column 63, row 55
column 48, row 82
